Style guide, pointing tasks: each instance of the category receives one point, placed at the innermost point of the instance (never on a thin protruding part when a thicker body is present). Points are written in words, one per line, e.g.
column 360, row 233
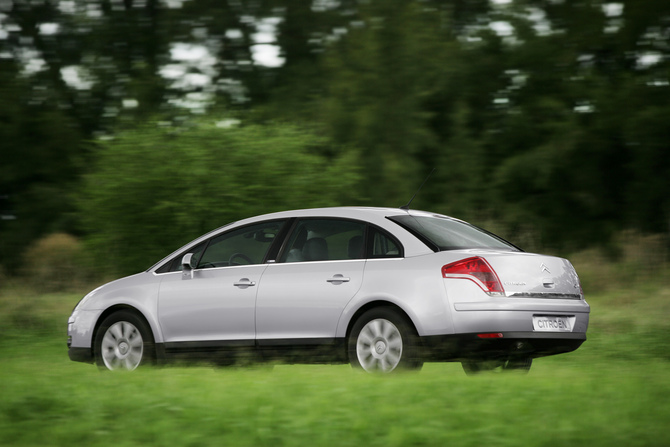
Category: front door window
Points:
column 245, row 246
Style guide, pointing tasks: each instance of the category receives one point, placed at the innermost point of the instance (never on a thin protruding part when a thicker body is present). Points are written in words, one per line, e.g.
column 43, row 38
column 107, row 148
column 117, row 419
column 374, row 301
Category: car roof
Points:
column 359, row 212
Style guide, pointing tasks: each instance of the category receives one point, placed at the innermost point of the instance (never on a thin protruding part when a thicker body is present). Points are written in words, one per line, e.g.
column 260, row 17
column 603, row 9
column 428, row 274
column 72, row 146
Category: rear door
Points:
column 303, row 294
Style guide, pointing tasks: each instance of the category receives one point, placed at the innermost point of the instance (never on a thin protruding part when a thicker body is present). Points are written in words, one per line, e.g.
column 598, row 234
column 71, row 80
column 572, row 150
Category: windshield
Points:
column 441, row 233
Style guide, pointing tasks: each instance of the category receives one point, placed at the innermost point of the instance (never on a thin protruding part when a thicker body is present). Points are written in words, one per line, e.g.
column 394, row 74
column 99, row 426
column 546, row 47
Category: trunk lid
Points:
column 533, row 275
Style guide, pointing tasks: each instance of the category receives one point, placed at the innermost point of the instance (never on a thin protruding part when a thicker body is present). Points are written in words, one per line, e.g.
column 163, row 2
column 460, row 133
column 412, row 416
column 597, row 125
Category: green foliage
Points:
column 619, row 374
column 40, row 151
column 25, row 312
column 153, row 189
column 647, row 198
column 332, row 406
column 54, row 263
column 381, row 74
column 546, row 119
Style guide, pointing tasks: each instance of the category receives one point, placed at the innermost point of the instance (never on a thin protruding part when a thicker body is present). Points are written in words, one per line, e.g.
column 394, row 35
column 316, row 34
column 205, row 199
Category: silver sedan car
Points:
column 383, row 289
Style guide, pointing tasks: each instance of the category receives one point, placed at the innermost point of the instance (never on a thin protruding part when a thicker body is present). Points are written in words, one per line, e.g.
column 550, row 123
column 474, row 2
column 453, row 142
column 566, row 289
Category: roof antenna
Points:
column 406, row 207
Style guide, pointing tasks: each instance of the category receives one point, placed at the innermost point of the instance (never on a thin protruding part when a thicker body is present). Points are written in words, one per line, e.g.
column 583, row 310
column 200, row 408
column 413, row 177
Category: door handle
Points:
column 244, row 282
column 337, row 279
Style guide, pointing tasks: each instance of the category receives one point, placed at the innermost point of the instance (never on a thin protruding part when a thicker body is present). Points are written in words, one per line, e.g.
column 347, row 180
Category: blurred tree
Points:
column 380, row 75
column 554, row 88
column 40, row 146
column 531, row 111
column 648, row 136
column 193, row 180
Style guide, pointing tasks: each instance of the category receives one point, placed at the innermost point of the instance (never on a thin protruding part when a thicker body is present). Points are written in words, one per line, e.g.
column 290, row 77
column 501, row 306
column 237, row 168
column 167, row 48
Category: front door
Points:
column 215, row 302
column 216, row 305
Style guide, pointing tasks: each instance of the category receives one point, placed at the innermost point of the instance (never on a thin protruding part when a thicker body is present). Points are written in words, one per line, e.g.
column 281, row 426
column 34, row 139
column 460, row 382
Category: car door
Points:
column 215, row 302
column 303, row 294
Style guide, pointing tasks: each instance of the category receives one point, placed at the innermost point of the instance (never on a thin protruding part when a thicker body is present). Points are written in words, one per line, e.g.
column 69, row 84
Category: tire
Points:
column 521, row 364
column 382, row 340
column 123, row 342
column 474, row 367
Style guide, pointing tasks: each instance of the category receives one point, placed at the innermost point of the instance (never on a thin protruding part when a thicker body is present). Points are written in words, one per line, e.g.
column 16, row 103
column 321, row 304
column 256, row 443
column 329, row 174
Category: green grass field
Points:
column 615, row 390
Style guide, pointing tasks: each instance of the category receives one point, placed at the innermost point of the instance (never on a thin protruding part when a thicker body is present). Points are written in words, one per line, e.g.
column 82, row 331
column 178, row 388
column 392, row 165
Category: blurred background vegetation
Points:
column 129, row 127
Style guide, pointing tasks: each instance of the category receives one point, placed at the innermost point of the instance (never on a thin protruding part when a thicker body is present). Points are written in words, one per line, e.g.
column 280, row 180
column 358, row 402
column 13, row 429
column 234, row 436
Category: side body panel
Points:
column 305, row 299
column 138, row 291
column 413, row 284
column 213, row 304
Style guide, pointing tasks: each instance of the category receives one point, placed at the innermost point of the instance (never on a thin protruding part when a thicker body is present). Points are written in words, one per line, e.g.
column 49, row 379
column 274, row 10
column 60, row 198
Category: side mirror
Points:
column 188, row 261
column 187, row 266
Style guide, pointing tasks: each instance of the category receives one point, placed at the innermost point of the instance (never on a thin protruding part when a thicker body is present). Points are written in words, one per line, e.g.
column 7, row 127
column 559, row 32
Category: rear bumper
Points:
column 522, row 344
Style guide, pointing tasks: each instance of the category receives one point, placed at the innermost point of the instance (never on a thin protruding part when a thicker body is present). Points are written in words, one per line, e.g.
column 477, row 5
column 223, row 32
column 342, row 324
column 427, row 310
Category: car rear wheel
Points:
column 472, row 367
column 381, row 340
column 518, row 364
column 123, row 342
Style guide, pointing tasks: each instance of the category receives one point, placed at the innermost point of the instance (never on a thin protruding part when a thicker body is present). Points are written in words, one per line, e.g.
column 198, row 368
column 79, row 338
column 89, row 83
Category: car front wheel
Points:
column 123, row 342
column 381, row 340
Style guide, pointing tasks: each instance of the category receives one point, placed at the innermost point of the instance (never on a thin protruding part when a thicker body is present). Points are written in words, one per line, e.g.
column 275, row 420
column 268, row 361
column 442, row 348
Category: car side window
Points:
column 325, row 240
column 243, row 246
column 384, row 246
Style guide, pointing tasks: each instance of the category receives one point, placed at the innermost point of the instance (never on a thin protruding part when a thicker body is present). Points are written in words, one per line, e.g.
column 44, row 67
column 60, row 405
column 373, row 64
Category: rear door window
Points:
column 325, row 240
column 383, row 245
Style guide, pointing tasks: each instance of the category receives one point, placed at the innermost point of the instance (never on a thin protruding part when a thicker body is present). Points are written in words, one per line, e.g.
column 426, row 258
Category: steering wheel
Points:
column 239, row 255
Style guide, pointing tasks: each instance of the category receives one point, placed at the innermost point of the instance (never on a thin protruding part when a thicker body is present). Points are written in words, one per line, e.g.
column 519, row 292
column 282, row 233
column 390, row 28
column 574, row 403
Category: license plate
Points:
column 551, row 323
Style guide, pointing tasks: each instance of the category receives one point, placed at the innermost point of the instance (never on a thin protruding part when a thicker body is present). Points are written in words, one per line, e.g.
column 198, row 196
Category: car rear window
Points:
column 442, row 233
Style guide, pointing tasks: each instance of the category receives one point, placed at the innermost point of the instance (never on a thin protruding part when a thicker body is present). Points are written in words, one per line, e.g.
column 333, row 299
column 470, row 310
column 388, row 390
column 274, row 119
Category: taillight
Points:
column 491, row 335
column 479, row 271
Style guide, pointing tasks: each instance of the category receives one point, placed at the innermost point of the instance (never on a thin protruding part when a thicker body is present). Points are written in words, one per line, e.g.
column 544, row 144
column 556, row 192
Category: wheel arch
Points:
column 115, row 308
column 377, row 304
